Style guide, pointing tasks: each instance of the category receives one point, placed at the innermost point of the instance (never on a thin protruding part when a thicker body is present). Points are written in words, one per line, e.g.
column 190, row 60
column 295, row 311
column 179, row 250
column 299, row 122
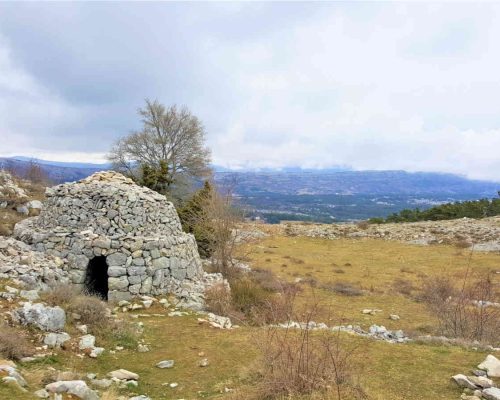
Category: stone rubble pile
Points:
column 14, row 196
column 479, row 385
column 374, row 332
column 34, row 269
column 10, row 192
column 483, row 233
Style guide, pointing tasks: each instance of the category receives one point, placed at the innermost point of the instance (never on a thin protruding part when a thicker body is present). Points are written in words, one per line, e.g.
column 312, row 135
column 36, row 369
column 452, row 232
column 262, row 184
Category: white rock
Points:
column 96, row 352
column 491, row 394
column 50, row 319
column 123, row 374
column 86, row 342
column 481, row 381
column 82, row 328
column 462, row 381
column 42, row 394
column 491, row 365
column 56, row 339
column 76, row 388
column 165, row 364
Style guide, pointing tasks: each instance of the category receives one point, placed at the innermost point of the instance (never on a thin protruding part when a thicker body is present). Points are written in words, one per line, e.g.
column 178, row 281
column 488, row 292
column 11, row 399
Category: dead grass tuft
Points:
column 61, row 295
column 343, row 288
column 91, row 311
column 13, row 344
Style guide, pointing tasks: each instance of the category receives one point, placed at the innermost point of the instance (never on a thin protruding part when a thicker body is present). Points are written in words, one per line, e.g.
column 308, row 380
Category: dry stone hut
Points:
column 117, row 239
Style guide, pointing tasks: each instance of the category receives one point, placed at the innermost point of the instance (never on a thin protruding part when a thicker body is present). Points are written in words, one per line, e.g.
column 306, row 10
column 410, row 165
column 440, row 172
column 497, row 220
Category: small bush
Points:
column 122, row 334
column 13, row 345
column 363, row 225
column 61, row 295
column 302, row 362
column 462, row 244
column 464, row 310
column 92, row 311
column 218, row 299
column 403, row 286
column 343, row 288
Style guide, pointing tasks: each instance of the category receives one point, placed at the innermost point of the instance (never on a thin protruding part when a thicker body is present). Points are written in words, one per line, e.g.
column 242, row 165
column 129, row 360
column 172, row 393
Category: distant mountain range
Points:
column 58, row 172
column 337, row 194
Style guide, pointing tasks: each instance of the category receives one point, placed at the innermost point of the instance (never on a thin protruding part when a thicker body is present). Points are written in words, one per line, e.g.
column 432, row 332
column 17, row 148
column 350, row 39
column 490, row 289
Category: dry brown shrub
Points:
column 462, row 244
column 218, row 299
column 465, row 310
column 403, row 286
column 363, row 225
column 61, row 295
column 344, row 288
column 303, row 362
column 13, row 344
column 92, row 311
column 256, row 298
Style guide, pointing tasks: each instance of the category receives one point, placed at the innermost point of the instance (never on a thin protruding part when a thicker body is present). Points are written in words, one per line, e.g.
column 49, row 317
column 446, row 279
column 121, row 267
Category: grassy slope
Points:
column 387, row 371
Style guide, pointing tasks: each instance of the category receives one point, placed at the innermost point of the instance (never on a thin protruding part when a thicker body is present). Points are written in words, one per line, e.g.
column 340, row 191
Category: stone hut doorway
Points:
column 96, row 278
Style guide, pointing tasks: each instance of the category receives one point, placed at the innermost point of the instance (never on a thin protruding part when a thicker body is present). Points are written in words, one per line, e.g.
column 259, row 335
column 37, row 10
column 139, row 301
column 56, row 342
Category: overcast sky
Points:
column 412, row 86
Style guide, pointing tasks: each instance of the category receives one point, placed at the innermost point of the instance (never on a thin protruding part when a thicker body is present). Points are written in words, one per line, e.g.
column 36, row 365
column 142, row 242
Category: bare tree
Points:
column 171, row 141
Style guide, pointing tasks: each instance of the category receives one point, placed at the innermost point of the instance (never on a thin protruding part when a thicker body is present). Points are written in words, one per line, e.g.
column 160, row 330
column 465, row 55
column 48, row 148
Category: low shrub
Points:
column 302, row 362
column 121, row 333
column 403, row 286
column 61, row 295
column 465, row 310
column 92, row 312
column 218, row 299
column 343, row 288
column 13, row 345
column 363, row 225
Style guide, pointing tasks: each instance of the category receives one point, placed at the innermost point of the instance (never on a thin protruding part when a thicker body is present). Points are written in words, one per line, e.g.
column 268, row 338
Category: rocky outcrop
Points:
column 483, row 233
column 51, row 319
column 135, row 229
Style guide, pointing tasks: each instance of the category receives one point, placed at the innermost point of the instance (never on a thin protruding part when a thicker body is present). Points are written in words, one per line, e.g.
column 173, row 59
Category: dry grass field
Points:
column 389, row 275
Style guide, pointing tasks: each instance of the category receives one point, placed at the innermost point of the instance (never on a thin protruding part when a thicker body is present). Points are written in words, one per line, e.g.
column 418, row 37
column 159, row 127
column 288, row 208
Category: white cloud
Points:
column 28, row 110
column 371, row 85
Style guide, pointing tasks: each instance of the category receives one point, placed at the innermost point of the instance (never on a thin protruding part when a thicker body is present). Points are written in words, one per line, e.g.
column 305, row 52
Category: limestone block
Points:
column 117, row 283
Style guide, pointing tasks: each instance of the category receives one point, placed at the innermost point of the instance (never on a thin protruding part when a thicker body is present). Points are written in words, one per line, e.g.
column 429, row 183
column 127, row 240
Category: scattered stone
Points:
column 203, row 363
column 491, row 393
column 82, row 328
column 143, row 348
column 30, row 295
column 481, row 381
column 42, row 394
column 165, row 364
column 102, row 383
column 491, row 365
column 86, row 342
column 76, row 388
column 96, row 352
column 464, row 382
column 123, row 374
column 217, row 321
column 394, row 317
column 173, row 385
column 370, row 311
column 54, row 340
column 12, row 373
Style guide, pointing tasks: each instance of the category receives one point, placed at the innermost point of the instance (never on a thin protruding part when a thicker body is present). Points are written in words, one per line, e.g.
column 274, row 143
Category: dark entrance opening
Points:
column 96, row 279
